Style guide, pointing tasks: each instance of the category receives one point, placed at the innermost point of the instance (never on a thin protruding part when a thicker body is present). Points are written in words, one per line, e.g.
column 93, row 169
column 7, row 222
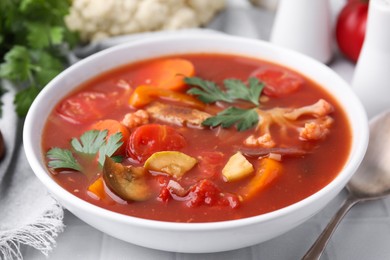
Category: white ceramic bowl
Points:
column 193, row 237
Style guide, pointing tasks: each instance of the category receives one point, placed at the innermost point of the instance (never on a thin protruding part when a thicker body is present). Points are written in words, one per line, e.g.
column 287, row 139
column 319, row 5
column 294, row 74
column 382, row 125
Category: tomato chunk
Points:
column 84, row 107
column 278, row 82
column 202, row 193
column 148, row 139
column 207, row 193
column 211, row 163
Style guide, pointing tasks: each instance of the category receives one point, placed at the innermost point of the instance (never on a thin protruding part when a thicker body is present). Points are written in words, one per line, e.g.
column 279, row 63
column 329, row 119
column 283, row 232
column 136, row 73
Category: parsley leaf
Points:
column 40, row 35
column 37, row 35
column 208, row 91
column 91, row 141
column 34, row 42
column 24, row 98
column 17, row 64
column 62, row 159
column 242, row 118
column 113, row 143
column 236, row 89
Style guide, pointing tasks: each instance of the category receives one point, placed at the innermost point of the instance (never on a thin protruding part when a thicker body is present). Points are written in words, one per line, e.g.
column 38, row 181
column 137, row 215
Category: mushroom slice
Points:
column 128, row 182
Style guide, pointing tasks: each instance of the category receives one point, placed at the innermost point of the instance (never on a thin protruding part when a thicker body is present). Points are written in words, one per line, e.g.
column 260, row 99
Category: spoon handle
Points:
column 316, row 250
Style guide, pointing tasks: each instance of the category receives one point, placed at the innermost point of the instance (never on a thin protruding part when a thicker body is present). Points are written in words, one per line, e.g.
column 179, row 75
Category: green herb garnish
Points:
column 242, row 118
column 113, row 143
column 62, row 159
column 236, row 89
column 92, row 142
column 209, row 92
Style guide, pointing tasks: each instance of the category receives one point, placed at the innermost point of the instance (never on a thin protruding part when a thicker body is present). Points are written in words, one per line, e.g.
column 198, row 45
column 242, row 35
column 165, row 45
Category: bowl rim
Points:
column 59, row 192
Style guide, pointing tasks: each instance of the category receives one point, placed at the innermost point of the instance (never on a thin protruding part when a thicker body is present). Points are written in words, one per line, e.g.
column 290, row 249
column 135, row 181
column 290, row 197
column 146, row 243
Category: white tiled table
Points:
column 364, row 233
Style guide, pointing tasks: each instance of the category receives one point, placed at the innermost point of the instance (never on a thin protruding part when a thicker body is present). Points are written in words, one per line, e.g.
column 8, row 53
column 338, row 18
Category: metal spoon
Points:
column 371, row 181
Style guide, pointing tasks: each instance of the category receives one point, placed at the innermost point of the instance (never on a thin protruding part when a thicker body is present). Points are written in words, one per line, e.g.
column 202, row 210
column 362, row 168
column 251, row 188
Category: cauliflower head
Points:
column 99, row 19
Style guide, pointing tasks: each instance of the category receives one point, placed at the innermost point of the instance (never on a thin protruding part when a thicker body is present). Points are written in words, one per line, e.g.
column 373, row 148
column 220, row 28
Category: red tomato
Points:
column 278, row 82
column 84, row 107
column 351, row 28
column 148, row 139
column 211, row 163
column 164, row 195
column 206, row 192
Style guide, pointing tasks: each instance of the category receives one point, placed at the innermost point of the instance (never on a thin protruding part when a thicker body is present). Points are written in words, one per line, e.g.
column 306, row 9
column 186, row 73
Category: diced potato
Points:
column 237, row 167
column 268, row 171
column 171, row 162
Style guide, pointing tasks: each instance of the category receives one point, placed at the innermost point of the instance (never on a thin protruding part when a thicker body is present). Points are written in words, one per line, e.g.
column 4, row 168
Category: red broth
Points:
column 106, row 97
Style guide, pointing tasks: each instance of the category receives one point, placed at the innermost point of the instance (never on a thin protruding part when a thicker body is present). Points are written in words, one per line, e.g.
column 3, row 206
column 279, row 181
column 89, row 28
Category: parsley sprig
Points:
column 91, row 142
column 242, row 118
column 209, row 92
column 33, row 44
column 62, row 159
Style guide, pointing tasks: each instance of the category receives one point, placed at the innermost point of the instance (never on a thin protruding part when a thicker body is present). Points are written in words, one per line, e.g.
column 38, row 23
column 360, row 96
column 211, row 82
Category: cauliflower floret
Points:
column 262, row 141
column 140, row 117
column 318, row 109
column 99, row 19
column 97, row 8
column 183, row 18
column 205, row 9
column 151, row 14
column 316, row 129
column 313, row 126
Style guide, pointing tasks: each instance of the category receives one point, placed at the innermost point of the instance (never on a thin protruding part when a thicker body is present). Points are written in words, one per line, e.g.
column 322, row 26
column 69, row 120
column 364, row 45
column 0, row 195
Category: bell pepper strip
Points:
column 145, row 94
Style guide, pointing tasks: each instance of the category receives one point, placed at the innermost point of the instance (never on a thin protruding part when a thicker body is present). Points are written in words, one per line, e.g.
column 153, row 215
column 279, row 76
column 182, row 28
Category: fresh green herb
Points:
column 24, row 98
column 33, row 44
column 91, row 141
column 113, row 143
column 236, row 89
column 62, row 159
column 242, row 118
column 17, row 64
column 209, row 92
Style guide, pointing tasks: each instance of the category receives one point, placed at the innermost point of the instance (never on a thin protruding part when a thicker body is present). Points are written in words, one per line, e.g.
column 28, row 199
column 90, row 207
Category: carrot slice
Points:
column 268, row 171
column 114, row 126
column 97, row 188
column 169, row 73
column 144, row 94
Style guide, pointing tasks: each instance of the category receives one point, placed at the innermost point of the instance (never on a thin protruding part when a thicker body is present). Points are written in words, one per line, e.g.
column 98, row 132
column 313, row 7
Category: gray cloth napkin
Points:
column 28, row 215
